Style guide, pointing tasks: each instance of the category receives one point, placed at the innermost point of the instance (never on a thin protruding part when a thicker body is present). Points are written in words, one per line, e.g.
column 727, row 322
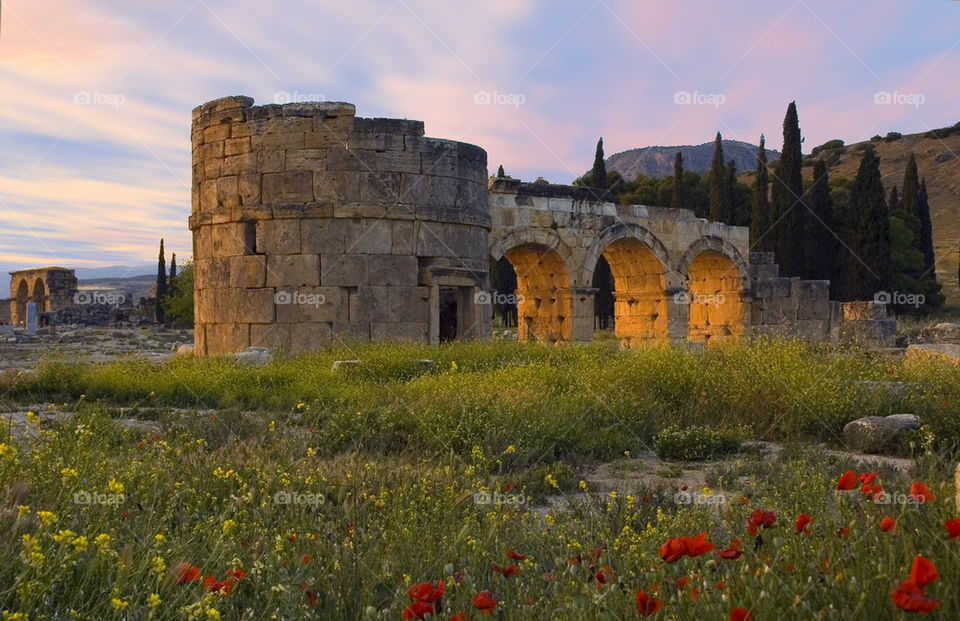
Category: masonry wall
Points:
column 311, row 224
column 58, row 286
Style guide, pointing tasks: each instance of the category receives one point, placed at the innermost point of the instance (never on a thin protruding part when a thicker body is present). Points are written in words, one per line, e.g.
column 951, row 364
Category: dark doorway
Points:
column 603, row 307
column 448, row 313
column 503, row 288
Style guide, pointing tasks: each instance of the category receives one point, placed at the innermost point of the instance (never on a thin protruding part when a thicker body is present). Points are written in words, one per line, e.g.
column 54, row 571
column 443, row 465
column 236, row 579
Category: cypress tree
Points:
column 719, row 196
column 869, row 265
column 788, row 209
column 173, row 268
column 823, row 232
column 679, row 197
column 598, row 176
column 761, row 237
column 922, row 211
column 161, row 284
column 500, row 173
column 894, row 202
column 911, row 186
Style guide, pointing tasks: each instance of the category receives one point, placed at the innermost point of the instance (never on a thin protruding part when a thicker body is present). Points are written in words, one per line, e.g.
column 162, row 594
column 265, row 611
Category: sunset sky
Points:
column 95, row 95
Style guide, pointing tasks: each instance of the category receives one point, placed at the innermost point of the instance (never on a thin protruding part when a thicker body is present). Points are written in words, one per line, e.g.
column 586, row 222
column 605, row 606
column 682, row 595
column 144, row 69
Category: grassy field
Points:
column 311, row 492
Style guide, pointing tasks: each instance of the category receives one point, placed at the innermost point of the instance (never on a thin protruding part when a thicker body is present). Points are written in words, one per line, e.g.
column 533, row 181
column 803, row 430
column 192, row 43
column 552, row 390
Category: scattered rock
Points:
column 947, row 352
column 337, row 364
column 253, row 356
column 185, row 350
column 876, row 434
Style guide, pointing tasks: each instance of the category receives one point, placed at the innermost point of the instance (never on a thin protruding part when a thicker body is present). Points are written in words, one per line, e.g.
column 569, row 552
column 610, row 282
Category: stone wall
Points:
column 50, row 288
column 311, row 224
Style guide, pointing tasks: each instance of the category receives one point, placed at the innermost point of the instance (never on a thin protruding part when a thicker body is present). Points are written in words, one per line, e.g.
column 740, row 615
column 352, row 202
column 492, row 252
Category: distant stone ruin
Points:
column 50, row 288
column 312, row 224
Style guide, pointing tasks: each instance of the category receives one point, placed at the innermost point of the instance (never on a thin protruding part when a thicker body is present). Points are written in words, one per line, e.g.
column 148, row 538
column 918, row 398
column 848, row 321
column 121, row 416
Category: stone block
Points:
column 310, row 336
column 343, row 270
column 227, row 239
column 236, row 146
column 238, row 164
column 399, row 331
column 769, row 288
column 322, row 236
column 347, row 160
column 289, row 187
column 379, row 187
column 227, row 192
column 293, row 270
column 368, row 236
column 248, row 186
column 369, row 304
column 321, row 304
column 338, row 186
column 377, row 142
column 208, row 195
column 272, row 335
column 398, row 162
column 255, row 305
column 404, row 241
column 248, row 271
column 270, row 161
column 226, row 338
column 408, row 304
column 305, row 159
column 393, row 270
column 278, row 236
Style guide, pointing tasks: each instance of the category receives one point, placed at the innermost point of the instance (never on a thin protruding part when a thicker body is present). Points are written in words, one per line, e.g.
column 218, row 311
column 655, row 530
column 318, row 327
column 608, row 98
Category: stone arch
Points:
column 544, row 302
column 20, row 299
column 638, row 262
column 39, row 296
column 716, row 276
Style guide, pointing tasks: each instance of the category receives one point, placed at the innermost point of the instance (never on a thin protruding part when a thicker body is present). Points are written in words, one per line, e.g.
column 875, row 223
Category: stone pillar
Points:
column 31, row 318
column 581, row 323
column 678, row 315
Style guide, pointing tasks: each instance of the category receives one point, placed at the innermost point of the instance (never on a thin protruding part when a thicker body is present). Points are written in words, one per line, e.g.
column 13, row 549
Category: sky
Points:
column 95, row 95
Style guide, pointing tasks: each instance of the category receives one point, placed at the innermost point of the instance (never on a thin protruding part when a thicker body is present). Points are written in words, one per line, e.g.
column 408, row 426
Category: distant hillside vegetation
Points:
column 658, row 161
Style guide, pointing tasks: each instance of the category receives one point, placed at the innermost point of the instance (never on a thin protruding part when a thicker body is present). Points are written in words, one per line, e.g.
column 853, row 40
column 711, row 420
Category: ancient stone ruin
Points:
column 310, row 223
column 50, row 288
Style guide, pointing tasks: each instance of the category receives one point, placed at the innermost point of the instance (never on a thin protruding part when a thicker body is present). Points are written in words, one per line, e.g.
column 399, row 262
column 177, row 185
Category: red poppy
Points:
column 236, row 574
column 507, row 571
column 575, row 560
column 921, row 493
column 645, row 498
column 953, row 528
column 681, row 582
column 187, row 573
column 292, row 537
column 733, row 550
column 673, row 550
column 719, row 585
column 697, row 545
column 513, row 555
column 647, row 604
column 305, row 559
column 484, row 602
column 739, row 614
column 460, row 616
column 923, row 571
column 843, row 532
column 217, row 586
column 604, row 575
column 868, row 489
column 848, row 480
column 743, row 500
column 802, row 521
column 867, row 477
column 425, row 592
column 418, row 610
column 887, row 524
column 908, row 596
column 694, row 594
column 759, row 517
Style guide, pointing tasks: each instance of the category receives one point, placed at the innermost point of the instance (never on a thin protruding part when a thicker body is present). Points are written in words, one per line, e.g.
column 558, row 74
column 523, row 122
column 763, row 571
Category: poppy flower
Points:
column 217, row 586
column 305, row 559
column 759, row 517
column 603, row 576
column 953, row 528
column 923, row 571
column 484, row 602
column 802, row 521
column 908, row 596
column 733, row 550
column 868, row 489
column 418, row 610
column 673, row 550
column 739, row 614
column 425, row 592
column 460, row 616
column 843, row 532
column 513, row 555
column 187, row 573
column 921, row 493
column 681, row 582
column 867, row 477
column 848, row 480
column 507, row 571
column 887, row 524
column 236, row 574
column 647, row 604
column 694, row 594
column 697, row 545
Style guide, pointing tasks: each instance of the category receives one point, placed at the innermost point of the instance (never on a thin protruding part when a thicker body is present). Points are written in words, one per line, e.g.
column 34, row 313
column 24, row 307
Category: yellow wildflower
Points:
column 153, row 601
column 32, row 418
column 47, row 517
column 119, row 604
column 229, row 526
column 22, row 510
column 80, row 543
column 115, row 487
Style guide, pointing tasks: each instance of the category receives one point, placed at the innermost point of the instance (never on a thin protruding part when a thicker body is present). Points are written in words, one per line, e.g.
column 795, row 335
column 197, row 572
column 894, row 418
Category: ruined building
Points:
column 310, row 223
column 50, row 288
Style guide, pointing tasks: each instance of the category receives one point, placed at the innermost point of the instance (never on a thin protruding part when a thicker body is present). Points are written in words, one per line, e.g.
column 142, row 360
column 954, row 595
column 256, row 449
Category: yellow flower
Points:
column 510, row 449
column 229, row 526
column 7, row 450
column 310, row 451
column 102, row 540
column 119, row 604
column 65, row 537
column 159, row 538
column 301, row 405
column 583, row 485
column 213, row 614
column 15, row 616
column 551, row 480
column 29, row 542
column 453, row 366
column 67, row 473
column 153, row 601
column 22, row 510
column 159, row 566
column 32, row 418
column 115, row 487
column 273, row 425
column 612, row 494
column 80, row 543
column 46, row 517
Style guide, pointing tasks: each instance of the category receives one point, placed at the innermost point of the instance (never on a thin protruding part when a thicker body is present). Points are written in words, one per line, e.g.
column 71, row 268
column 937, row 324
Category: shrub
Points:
column 892, row 137
column 836, row 143
column 697, row 443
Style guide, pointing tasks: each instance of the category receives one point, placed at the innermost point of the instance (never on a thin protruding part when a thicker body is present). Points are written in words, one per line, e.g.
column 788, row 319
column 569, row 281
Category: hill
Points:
column 658, row 161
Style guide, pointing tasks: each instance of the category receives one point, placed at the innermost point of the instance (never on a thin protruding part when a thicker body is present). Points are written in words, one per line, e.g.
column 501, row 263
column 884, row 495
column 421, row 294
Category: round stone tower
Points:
column 311, row 225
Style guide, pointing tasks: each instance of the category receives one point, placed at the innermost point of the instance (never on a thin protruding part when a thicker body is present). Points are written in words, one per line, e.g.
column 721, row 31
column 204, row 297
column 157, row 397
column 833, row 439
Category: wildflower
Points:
column 273, row 425
column 119, row 604
column 843, row 532
column 887, row 524
column 484, row 602
column 758, row 518
column 159, row 566
column 867, row 477
column 305, row 559
column 46, row 517
column 418, row 610
column 921, row 493
column 739, row 614
column 229, row 526
column 910, row 595
column 733, row 550
column 80, row 544
column 847, row 481
column 803, row 520
column 22, row 510
column 425, row 592
column 115, row 487
column 513, row 555
column 32, row 418
column 102, row 540
column 551, row 480
column 460, row 616
column 213, row 614
column 187, row 573
column 510, row 450
column 507, row 571
column 67, row 473
column 153, row 601
column 675, row 548
column 953, row 528
column 217, row 586
column 647, row 604
column 604, row 575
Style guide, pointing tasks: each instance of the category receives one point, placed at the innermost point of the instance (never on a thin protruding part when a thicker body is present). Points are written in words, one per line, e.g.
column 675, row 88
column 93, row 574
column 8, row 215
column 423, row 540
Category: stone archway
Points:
column 543, row 293
column 20, row 302
column 640, row 298
column 39, row 296
column 715, row 299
